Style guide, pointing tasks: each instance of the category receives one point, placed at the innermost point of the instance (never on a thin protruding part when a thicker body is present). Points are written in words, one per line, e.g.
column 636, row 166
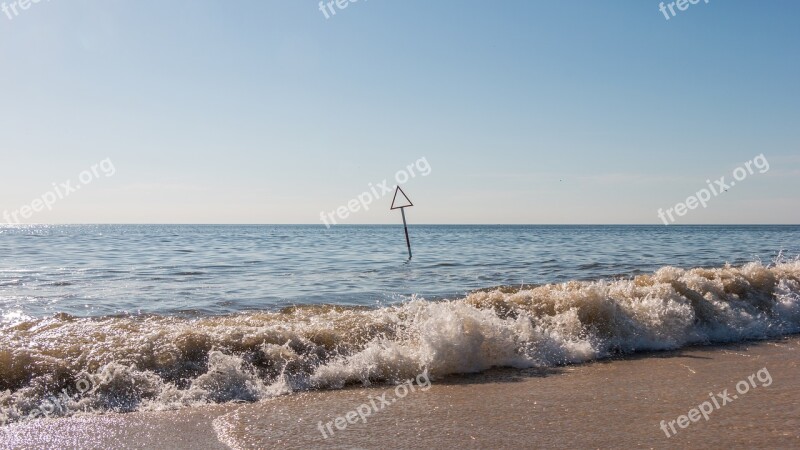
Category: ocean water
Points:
column 102, row 270
column 125, row 318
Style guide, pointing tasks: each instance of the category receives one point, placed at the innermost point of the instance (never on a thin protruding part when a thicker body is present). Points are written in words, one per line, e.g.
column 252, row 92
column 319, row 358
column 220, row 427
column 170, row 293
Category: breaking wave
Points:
column 65, row 365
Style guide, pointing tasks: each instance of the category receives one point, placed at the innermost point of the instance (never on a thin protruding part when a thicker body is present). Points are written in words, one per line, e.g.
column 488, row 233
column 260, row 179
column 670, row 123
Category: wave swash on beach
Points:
column 155, row 363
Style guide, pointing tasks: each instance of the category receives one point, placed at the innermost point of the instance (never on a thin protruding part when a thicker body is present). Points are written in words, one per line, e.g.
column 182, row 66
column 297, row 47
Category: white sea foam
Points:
column 152, row 362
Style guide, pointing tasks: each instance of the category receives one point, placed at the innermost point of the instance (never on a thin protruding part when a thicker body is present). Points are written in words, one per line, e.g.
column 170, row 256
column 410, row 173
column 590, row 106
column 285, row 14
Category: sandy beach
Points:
column 615, row 403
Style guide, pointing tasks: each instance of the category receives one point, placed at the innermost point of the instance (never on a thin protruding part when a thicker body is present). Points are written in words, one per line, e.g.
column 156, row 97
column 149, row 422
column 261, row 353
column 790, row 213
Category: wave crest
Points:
column 152, row 362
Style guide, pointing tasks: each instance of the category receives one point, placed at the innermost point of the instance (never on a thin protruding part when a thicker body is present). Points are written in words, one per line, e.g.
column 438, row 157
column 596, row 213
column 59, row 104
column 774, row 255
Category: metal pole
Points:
column 408, row 242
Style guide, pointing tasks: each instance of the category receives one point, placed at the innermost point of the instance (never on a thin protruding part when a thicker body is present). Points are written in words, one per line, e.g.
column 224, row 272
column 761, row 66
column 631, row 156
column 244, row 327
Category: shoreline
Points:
column 618, row 401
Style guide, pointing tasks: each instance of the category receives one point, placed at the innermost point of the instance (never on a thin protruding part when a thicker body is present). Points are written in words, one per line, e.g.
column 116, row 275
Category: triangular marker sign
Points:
column 401, row 206
column 396, row 205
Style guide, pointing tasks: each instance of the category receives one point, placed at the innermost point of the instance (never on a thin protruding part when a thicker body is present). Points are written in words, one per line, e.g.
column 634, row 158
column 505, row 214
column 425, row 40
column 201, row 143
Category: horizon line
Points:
column 393, row 224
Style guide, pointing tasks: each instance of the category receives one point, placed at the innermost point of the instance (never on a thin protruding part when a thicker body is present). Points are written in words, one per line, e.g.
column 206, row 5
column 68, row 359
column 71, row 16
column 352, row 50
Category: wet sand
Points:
column 606, row 404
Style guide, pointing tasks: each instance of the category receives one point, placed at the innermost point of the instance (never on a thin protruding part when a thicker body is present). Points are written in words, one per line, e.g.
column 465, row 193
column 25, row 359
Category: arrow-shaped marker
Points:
column 401, row 206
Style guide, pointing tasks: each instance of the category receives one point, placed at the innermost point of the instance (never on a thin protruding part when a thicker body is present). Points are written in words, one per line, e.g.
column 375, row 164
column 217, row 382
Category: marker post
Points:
column 402, row 209
column 408, row 242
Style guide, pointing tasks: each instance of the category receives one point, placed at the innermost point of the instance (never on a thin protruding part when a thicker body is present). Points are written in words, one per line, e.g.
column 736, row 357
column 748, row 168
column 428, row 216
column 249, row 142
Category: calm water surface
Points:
column 182, row 269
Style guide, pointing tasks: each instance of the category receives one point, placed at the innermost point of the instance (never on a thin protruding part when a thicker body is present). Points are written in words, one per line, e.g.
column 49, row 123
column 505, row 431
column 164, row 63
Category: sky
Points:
column 523, row 112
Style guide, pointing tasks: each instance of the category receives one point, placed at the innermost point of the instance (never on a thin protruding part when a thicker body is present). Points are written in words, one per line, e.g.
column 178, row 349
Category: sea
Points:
column 119, row 318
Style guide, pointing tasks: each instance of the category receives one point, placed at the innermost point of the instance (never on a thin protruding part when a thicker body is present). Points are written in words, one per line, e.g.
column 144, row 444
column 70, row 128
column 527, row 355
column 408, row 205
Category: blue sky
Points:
column 527, row 111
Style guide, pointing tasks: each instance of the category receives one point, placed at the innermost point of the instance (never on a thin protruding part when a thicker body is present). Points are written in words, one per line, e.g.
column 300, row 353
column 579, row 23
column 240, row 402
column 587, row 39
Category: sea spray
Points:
column 156, row 362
